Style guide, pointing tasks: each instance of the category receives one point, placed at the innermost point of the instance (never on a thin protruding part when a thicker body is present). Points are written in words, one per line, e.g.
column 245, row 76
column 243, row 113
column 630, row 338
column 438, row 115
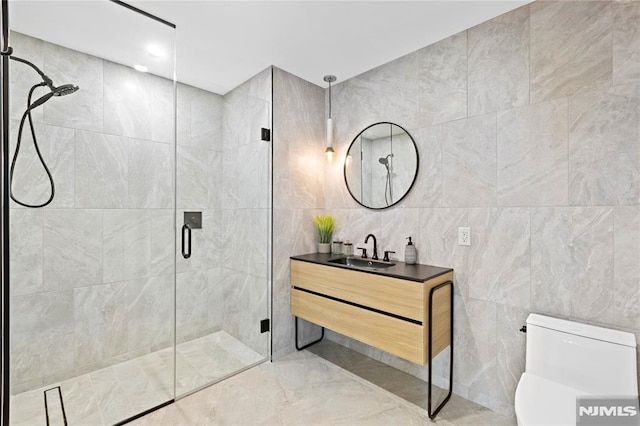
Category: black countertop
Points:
column 417, row 272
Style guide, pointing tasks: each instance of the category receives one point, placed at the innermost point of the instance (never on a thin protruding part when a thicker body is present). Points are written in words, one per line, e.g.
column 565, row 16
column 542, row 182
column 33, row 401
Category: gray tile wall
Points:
column 527, row 127
column 298, row 168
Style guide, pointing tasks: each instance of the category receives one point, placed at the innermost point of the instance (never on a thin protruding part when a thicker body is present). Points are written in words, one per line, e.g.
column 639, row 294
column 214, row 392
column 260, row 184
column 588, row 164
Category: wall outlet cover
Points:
column 464, row 236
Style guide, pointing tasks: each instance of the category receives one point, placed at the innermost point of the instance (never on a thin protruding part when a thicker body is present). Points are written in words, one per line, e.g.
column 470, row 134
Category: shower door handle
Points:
column 186, row 235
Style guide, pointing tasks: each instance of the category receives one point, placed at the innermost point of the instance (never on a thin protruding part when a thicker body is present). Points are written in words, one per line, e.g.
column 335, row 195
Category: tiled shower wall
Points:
column 528, row 132
column 92, row 274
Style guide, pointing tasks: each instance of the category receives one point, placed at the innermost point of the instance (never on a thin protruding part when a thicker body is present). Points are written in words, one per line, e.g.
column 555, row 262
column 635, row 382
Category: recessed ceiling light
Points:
column 156, row 50
column 140, row 68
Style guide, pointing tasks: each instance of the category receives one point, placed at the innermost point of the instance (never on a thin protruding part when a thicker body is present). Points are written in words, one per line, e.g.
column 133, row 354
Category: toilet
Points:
column 566, row 360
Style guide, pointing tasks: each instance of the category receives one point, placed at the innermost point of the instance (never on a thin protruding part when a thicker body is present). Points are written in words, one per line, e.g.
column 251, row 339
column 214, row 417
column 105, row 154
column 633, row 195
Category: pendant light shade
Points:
column 329, row 152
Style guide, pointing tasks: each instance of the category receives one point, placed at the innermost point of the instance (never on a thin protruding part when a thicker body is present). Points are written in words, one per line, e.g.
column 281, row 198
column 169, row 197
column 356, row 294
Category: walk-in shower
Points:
column 102, row 315
column 65, row 89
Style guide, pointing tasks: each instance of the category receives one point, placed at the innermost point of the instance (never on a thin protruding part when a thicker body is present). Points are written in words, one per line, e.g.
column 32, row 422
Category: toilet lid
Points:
column 540, row 401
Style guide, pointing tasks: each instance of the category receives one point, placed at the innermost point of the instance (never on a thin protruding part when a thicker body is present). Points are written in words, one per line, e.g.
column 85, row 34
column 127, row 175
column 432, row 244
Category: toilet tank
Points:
column 596, row 360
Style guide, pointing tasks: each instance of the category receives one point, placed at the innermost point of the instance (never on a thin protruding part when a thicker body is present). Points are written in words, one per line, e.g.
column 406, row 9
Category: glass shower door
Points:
column 223, row 286
column 93, row 271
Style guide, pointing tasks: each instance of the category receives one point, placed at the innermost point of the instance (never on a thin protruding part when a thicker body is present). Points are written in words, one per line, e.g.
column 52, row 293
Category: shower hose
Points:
column 27, row 116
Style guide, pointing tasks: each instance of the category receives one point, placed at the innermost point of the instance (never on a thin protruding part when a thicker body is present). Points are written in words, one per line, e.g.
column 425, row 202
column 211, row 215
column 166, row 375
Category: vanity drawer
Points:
column 399, row 297
column 396, row 336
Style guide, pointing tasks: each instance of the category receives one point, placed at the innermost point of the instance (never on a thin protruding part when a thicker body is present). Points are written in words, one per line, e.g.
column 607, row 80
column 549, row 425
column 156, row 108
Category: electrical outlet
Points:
column 464, row 236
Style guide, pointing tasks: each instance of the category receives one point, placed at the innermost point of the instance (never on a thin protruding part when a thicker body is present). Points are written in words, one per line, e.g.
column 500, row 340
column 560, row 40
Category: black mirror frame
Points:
column 415, row 176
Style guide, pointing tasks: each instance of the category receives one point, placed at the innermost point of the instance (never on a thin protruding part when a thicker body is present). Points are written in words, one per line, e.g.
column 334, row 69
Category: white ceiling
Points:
column 220, row 44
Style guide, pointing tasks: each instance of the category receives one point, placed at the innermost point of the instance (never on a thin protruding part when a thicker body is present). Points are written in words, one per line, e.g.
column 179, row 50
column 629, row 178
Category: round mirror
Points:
column 381, row 165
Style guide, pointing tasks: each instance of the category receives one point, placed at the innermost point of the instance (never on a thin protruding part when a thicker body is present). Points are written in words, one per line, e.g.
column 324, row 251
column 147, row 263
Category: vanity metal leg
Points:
column 433, row 414
column 298, row 347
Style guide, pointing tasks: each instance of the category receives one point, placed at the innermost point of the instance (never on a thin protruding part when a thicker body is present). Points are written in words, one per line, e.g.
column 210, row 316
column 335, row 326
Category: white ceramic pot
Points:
column 324, row 247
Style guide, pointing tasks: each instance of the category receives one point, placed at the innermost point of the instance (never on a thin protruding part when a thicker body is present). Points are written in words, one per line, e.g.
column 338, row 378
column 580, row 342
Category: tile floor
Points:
column 109, row 395
column 305, row 388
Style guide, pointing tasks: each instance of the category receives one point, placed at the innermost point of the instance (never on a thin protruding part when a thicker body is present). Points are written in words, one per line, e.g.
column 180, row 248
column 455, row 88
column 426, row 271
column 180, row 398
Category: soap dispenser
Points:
column 410, row 253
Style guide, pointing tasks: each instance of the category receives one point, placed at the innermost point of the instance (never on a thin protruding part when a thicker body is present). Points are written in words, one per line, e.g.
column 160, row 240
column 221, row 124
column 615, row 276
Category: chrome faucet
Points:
column 375, row 246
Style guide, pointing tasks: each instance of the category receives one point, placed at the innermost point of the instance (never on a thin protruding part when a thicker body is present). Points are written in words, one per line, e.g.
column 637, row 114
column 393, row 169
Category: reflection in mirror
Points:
column 381, row 165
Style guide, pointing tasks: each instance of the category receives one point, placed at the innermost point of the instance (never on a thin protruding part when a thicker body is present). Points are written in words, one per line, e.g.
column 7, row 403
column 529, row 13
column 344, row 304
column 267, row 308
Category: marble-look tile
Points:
column 498, row 68
column 293, row 233
column 126, row 245
column 26, row 259
column 215, row 299
column 282, row 322
column 162, row 242
column 42, row 331
column 396, row 226
column 100, row 170
column 138, row 387
column 570, row 47
column 427, row 188
column 206, row 120
column 246, row 176
column 626, row 289
column 572, row 262
column 22, row 77
column 99, row 318
column 603, row 147
column 243, row 116
column 215, row 184
column 192, row 178
column 511, row 349
column 442, row 81
column 150, row 175
column 245, row 236
column 626, row 42
column 469, row 162
column 183, row 114
column 498, row 267
column 72, row 248
column 163, row 123
column 115, row 405
column 191, row 305
column 475, row 366
column 354, row 225
column 361, row 95
column 84, row 108
column 127, row 102
column 533, row 155
column 437, row 243
column 81, row 405
column 149, row 312
column 30, row 182
column 245, row 306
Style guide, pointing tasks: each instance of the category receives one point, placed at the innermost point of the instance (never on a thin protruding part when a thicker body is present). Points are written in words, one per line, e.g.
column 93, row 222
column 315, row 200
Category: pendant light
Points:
column 329, row 152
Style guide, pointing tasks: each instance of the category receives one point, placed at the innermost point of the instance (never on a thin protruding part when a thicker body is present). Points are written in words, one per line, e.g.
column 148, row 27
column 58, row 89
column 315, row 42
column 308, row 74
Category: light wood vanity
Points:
column 386, row 308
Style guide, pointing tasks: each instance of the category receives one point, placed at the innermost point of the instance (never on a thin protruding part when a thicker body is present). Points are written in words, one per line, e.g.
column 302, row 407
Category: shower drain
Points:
column 54, row 407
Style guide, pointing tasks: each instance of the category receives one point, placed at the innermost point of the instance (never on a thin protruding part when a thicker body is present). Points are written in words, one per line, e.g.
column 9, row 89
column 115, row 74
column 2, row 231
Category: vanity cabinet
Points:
column 386, row 309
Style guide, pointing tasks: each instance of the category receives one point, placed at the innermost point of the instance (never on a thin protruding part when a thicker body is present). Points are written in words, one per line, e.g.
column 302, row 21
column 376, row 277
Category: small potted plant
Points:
column 325, row 226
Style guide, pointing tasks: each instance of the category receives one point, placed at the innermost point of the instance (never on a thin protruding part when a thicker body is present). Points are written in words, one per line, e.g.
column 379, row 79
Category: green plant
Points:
column 325, row 226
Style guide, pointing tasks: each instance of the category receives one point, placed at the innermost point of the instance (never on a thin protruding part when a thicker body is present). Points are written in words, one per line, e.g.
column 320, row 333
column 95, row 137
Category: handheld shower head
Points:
column 385, row 160
column 65, row 89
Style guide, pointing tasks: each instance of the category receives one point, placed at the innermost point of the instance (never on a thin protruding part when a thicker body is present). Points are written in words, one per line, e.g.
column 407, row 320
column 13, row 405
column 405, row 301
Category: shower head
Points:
column 385, row 160
column 65, row 89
